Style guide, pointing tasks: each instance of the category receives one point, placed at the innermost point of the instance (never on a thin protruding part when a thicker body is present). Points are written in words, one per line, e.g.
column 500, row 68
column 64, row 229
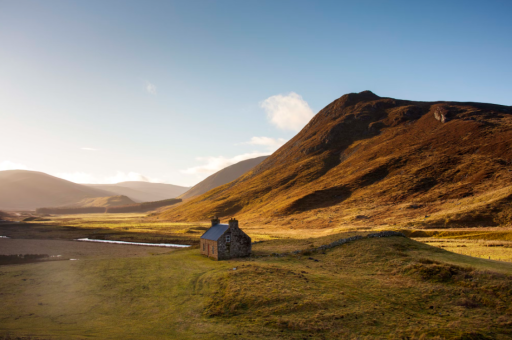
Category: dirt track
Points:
column 76, row 249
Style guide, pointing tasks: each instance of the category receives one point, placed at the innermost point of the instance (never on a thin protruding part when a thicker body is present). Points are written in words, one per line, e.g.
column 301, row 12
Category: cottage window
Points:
column 213, row 249
column 228, row 238
column 203, row 246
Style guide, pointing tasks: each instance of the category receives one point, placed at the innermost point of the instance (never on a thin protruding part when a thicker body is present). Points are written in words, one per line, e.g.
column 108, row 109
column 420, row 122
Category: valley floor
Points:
column 391, row 287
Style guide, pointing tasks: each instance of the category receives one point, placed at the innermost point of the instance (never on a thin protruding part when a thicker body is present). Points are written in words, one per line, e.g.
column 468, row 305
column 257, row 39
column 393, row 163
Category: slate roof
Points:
column 215, row 232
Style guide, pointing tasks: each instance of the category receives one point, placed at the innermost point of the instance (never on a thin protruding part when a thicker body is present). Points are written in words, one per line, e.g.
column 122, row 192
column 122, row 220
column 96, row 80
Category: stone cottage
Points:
column 225, row 241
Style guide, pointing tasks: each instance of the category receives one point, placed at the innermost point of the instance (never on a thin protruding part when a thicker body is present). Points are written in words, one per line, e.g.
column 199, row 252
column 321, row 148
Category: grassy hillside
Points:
column 222, row 177
column 110, row 201
column 369, row 160
column 113, row 204
column 143, row 207
column 3, row 215
column 28, row 190
column 372, row 288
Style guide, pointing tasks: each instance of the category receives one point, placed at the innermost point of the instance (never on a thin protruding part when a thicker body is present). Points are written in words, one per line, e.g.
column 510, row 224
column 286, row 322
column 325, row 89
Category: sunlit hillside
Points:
column 367, row 159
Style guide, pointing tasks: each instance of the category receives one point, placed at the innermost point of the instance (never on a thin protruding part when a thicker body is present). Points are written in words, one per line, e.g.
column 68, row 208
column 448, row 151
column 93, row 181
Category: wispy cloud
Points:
column 150, row 88
column 119, row 176
column 271, row 143
column 214, row 164
column 89, row 149
column 8, row 165
column 287, row 112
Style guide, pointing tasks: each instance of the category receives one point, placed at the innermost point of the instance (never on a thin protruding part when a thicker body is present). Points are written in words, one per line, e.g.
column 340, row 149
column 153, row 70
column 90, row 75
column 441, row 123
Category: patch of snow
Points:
column 170, row 245
column 4, row 237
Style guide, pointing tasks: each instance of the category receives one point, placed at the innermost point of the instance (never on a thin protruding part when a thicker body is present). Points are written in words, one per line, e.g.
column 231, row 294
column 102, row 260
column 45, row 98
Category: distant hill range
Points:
column 29, row 190
column 222, row 177
column 142, row 191
column 382, row 161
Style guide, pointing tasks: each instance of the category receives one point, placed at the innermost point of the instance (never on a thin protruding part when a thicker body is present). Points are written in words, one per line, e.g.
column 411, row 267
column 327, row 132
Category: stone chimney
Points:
column 215, row 221
column 233, row 223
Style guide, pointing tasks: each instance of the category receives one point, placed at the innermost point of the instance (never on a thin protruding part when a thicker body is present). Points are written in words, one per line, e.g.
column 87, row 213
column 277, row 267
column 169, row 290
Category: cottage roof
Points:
column 215, row 232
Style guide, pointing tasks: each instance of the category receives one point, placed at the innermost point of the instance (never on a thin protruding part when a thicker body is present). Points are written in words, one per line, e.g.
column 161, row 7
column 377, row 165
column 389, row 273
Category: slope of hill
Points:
column 23, row 189
column 4, row 215
column 114, row 204
column 110, row 201
column 222, row 177
column 143, row 191
column 367, row 159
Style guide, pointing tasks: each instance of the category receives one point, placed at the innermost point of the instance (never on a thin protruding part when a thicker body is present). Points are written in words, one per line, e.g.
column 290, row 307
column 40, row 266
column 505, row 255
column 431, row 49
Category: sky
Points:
column 173, row 91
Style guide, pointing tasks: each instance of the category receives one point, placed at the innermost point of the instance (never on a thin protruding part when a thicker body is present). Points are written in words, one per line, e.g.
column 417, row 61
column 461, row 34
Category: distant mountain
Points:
column 142, row 191
column 110, row 201
column 374, row 160
column 28, row 190
column 222, row 177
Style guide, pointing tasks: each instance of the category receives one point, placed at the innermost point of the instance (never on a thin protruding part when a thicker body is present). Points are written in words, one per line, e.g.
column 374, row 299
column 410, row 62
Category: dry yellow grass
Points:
column 492, row 250
column 371, row 288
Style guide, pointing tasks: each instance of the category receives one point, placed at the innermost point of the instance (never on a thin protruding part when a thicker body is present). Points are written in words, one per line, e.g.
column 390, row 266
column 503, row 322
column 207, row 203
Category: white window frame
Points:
column 228, row 238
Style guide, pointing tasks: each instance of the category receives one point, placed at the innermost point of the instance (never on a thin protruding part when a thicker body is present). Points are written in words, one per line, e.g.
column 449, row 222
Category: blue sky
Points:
column 104, row 91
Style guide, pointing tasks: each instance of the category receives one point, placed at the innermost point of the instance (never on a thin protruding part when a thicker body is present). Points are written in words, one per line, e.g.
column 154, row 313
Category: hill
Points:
column 3, row 215
column 114, row 204
column 222, row 177
column 28, row 190
column 381, row 161
column 110, row 201
column 142, row 191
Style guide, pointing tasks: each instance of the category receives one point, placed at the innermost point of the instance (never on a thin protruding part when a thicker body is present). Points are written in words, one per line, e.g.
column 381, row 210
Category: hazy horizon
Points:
column 105, row 92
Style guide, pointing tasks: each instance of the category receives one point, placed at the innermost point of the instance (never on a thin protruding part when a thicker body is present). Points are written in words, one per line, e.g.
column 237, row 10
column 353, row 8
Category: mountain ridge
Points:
column 362, row 152
column 222, row 177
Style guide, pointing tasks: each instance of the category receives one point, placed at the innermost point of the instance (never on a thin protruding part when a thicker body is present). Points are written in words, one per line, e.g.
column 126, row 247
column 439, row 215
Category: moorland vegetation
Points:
column 392, row 287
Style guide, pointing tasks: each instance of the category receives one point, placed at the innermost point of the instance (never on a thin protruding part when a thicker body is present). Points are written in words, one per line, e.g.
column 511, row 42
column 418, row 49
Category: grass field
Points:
column 492, row 250
column 126, row 227
column 392, row 287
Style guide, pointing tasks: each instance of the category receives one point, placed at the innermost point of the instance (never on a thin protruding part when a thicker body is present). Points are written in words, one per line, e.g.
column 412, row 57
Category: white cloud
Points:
column 89, row 149
column 8, row 165
column 214, row 164
column 87, row 178
column 271, row 143
column 287, row 112
column 151, row 88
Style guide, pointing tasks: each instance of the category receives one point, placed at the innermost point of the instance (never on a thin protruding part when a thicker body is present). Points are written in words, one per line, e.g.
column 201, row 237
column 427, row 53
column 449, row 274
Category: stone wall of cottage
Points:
column 213, row 246
column 239, row 246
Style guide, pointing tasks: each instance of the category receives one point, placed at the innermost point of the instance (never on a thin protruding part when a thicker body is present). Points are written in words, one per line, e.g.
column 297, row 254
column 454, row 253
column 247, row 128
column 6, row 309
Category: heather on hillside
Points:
column 382, row 161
